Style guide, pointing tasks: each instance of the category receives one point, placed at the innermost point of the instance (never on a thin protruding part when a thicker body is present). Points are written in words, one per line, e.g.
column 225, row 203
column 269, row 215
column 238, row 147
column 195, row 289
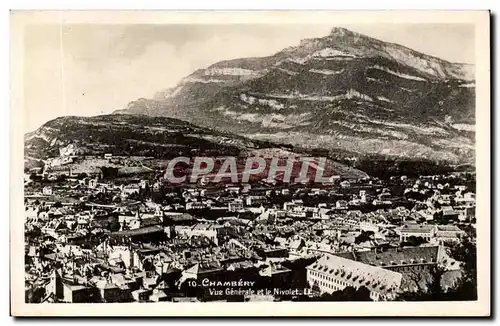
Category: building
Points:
column 142, row 222
column 468, row 199
column 333, row 273
column 467, row 213
column 417, row 230
column 53, row 227
column 203, row 270
column 296, row 204
column 414, row 263
column 255, row 200
column 345, row 184
column 209, row 230
column 69, row 150
column 288, row 206
column 62, row 290
column 362, row 196
column 111, row 292
column 144, row 234
column 47, row 191
column 280, row 276
column 77, row 293
column 233, row 190
column 450, row 214
column 130, row 189
column 272, row 251
column 92, row 183
column 178, row 219
column 195, row 205
column 235, row 206
column 144, row 184
column 341, row 204
column 448, row 233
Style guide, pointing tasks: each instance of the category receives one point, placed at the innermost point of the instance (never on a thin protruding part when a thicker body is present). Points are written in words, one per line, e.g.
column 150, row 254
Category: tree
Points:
column 35, row 177
column 60, row 178
column 435, row 291
column 32, row 233
column 36, row 295
column 81, row 205
column 466, row 253
column 58, row 204
column 428, row 286
column 348, row 294
column 114, row 226
column 364, row 236
column 82, row 175
column 415, row 241
column 315, row 287
column 464, row 289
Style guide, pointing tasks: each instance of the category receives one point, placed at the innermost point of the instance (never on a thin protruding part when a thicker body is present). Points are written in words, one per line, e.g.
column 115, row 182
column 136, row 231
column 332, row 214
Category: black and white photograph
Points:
column 326, row 162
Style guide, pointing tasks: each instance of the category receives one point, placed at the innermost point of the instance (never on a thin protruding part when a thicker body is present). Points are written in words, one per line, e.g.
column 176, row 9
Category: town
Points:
column 96, row 236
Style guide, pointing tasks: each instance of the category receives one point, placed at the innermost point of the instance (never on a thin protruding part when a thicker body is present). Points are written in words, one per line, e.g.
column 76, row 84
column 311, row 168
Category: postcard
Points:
column 250, row 163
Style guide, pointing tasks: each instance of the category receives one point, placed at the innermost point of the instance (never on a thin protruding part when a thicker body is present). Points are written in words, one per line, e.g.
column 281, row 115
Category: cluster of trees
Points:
column 364, row 236
column 414, row 241
column 101, row 198
column 349, row 293
column 464, row 289
column 38, row 178
column 384, row 168
column 109, row 172
column 439, row 218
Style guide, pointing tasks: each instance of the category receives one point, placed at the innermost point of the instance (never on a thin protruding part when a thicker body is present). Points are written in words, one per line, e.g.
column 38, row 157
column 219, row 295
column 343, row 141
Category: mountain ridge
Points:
column 384, row 97
column 150, row 140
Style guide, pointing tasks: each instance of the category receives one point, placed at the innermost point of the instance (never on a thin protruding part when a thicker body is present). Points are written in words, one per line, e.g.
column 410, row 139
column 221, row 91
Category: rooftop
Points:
column 204, row 268
column 398, row 256
column 139, row 231
column 417, row 228
column 357, row 273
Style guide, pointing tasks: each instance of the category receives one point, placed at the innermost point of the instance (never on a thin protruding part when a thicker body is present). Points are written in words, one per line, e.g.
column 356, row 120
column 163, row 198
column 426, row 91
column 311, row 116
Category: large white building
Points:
column 417, row 230
column 333, row 273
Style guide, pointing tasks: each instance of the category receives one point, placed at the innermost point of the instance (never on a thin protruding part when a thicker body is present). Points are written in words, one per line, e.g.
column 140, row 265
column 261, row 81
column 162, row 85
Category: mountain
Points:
column 145, row 140
column 131, row 135
column 345, row 92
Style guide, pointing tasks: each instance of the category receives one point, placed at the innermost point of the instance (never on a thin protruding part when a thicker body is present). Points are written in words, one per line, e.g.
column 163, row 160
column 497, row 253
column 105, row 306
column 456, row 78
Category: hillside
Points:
column 157, row 138
column 132, row 135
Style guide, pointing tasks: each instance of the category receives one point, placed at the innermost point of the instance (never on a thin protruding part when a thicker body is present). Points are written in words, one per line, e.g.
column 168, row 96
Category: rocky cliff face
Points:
column 343, row 92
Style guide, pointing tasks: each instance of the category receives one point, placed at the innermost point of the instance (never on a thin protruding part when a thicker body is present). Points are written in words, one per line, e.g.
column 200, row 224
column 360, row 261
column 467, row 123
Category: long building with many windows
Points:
column 333, row 273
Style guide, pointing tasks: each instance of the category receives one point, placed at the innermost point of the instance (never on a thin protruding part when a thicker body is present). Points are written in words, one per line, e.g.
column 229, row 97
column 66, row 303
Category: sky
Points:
column 92, row 69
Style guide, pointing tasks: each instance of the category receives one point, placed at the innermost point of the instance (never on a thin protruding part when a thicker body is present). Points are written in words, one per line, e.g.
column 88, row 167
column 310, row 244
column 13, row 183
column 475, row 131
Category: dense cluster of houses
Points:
column 91, row 239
